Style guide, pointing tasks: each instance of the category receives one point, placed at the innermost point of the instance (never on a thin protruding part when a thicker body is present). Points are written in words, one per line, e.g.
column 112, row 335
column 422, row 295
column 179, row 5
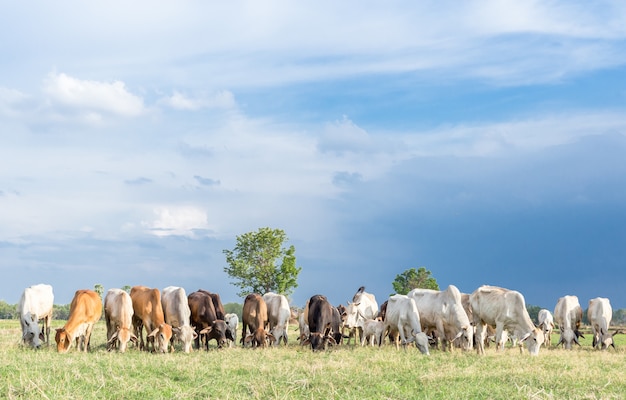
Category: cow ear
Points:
column 206, row 330
column 248, row 339
column 154, row 332
column 195, row 335
column 113, row 337
column 133, row 338
column 526, row 336
column 177, row 330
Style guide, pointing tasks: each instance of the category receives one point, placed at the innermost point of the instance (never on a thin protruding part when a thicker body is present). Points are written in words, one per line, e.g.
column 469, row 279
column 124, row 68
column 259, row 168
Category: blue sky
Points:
column 484, row 140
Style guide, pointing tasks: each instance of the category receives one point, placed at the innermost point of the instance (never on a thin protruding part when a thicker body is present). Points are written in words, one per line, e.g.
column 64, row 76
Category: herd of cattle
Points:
column 427, row 318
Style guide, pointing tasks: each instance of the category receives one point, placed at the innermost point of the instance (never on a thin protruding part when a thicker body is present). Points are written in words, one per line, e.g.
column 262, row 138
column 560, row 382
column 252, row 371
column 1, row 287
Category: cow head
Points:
column 63, row 340
column 534, row 340
column 186, row 335
column 30, row 330
column 161, row 337
column 606, row 339
column 259, row 338
column 319, row 341
column 466, row 335
column 422, row 342
column 120, row 339
column 216, row 331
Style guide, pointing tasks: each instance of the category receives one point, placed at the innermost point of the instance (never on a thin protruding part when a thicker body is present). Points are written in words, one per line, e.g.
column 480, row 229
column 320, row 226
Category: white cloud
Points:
column 93, row 96
column 178, row 221
column 220, row 100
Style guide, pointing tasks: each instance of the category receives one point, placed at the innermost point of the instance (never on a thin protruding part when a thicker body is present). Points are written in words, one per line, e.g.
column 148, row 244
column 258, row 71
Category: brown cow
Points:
column 255, row 321
column 85, row 311
column 118, row 313
column 320, row 315
column 148, row 312
column 204, row 319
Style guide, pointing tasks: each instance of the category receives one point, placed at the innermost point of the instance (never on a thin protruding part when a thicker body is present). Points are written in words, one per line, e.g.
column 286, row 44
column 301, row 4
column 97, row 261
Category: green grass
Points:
column 345, row 372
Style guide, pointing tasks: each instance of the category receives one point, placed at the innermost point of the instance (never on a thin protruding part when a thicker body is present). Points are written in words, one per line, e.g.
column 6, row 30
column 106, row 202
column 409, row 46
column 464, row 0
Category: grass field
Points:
column 294, row 372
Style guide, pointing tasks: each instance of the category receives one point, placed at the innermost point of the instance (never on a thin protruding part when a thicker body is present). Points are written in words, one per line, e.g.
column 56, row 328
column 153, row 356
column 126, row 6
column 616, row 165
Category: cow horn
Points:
column 458, row 335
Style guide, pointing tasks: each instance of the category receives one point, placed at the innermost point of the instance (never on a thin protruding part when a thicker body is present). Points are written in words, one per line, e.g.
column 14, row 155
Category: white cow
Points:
column 402, row 316
column 600, row 314
column 118, row 314
column 36, row 304
column 506, row 310
column 278, row 315
column 232, row 321
column 374, row 330
column 363, row 306
column 442, row 311
column 546, row 324
column 177, row 313
column 568, row 315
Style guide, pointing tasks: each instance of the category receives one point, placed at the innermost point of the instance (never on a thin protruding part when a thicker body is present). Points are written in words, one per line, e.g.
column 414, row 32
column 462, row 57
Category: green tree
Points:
column 414, row 278
column 253, row 263
column 533, row 313
column 126, row 288
column 98, row 288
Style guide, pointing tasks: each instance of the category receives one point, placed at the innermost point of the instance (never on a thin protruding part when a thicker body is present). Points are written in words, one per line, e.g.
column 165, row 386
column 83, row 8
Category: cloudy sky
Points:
column 484, row 140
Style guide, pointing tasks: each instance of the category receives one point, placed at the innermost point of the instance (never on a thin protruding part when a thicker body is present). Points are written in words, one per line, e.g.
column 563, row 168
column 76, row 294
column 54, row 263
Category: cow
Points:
column 546, row 324
column 118, row 314
column 374, row 330
column 402, row 316
column 506, row 310
column 177, row 313
column 217, row 304
column 278, row 315
column 255, row 322
column 148, row 313
column 205, row 321
column 442, row 311
column 568, row 315
column 303, row 325
column 599, row 314
column 319, row 315
column 232, row 321
column 35, row 305
column 85, row 311
column 362, row 306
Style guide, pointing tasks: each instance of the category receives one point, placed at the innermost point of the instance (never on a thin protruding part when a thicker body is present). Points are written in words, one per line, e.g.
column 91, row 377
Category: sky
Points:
column 483, row 140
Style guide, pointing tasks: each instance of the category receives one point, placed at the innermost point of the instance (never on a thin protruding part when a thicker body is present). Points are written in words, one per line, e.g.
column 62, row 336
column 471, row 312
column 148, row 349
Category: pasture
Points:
column 294, row 372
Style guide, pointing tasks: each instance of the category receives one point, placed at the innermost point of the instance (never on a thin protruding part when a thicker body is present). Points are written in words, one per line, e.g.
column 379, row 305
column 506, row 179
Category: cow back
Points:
column 254, row 314
column 202, row 309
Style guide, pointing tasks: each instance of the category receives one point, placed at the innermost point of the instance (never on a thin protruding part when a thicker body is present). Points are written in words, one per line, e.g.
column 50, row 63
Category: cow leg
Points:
column 500, row 339
column 479, row 338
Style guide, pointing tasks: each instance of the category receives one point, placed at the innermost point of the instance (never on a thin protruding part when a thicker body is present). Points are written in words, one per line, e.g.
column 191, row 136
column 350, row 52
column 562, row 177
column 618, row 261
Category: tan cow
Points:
column 148, row 313
column 85, row 311
column 118, row 314
column 255, row 321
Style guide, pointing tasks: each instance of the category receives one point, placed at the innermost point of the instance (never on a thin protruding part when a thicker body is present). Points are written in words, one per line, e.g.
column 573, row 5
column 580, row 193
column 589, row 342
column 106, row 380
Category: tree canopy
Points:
column 414, row 278
column 259, row 263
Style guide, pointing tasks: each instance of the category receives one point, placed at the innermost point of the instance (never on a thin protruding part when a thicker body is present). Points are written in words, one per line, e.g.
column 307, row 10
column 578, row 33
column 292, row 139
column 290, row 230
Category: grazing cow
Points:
column 177, row 313
column 36, row 304
column 568, row 315
column 546, row 324
column 255, row 321
column 374, row 330
column 217, row 304
column 278, row 315
column 320, row 320
column 148, row 313
column 402, row 316
column 506, row 310
column 85, row 311
column 599, row 314
column 442, row 311
column 232, row 321
column 205, row 321
column 118, row 314
column 303, row 325
column 363, row 306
